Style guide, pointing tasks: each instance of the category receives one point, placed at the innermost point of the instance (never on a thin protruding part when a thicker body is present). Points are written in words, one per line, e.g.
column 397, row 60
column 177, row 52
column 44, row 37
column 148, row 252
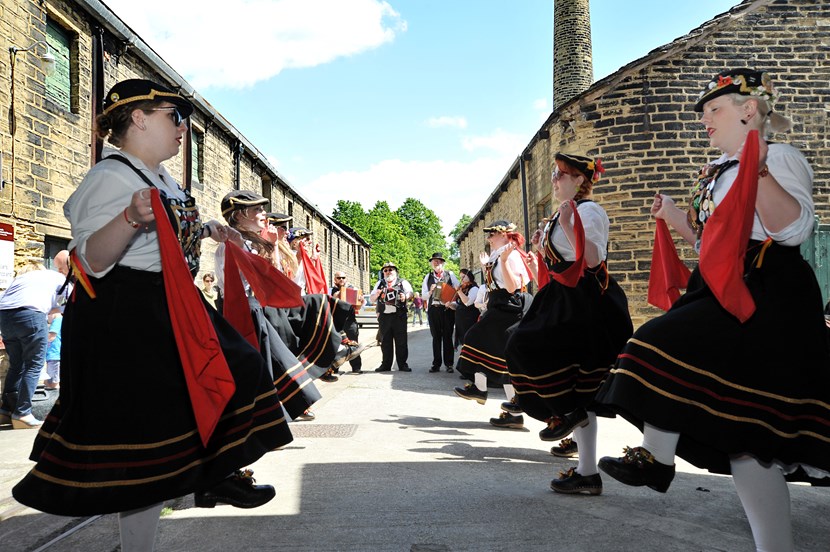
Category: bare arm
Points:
column 664, row 208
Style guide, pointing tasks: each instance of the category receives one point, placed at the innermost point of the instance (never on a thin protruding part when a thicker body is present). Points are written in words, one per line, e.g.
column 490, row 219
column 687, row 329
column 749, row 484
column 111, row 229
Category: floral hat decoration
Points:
column 746, row 82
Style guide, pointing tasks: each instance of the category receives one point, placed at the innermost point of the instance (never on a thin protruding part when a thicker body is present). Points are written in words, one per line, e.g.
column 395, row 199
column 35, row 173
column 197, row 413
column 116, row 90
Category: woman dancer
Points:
column 482, row 356
column 466, row 312
column 99, row 451
column 562, row 349
column 735, row 388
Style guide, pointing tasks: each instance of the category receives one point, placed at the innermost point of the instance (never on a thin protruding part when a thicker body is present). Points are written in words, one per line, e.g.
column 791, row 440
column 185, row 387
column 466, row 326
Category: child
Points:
column 53, row 353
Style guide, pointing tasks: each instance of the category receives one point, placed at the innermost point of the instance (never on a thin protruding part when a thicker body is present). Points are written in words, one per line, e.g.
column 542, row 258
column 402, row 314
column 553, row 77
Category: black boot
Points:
column 237, row 490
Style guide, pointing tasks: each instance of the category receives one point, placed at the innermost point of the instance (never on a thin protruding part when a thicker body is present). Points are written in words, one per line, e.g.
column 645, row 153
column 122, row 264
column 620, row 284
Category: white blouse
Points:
column 793, row 173
column 102, row 195
column 596, row 225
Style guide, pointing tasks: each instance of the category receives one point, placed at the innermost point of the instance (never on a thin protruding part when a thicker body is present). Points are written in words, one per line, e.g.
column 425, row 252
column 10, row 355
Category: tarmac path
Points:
column 396, row 462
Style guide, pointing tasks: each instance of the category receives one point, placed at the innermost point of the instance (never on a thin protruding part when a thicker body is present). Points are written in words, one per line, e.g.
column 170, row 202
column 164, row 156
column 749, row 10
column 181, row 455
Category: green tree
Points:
column 423, row 229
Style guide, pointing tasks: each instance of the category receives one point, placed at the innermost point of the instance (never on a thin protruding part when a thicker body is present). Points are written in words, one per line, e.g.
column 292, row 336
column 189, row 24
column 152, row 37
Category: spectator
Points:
column 23, row 322
column 53, row 353
column 417, row 309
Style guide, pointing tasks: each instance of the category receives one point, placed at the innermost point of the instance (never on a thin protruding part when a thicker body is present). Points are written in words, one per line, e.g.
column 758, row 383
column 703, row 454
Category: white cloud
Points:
column 450, row 189
column 438, row 122
column 499, row 141
column 253, row 40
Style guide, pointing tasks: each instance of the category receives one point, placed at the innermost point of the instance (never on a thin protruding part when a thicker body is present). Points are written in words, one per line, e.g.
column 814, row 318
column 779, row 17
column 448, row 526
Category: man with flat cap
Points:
column 440, row 316
column 391, row 294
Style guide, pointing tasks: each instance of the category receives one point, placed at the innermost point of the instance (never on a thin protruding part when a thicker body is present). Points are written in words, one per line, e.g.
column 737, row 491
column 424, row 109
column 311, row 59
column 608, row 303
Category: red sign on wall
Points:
column 6, row 254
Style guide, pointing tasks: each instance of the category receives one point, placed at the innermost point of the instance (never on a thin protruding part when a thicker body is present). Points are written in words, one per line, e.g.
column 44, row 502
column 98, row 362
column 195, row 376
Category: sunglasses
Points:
column 557, row 174
column 389, row 270
column 339, row 277
column 174, row 114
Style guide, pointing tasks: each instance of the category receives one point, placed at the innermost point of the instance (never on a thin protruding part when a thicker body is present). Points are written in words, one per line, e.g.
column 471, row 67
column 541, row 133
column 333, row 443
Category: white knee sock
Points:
column 138, row 528
column 586, row 438
column 509, row 392
column 481, row 382
column 659, row 442
column 766, row 499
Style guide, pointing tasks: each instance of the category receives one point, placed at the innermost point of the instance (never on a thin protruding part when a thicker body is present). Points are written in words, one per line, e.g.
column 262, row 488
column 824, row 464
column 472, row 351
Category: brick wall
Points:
column 641, row 123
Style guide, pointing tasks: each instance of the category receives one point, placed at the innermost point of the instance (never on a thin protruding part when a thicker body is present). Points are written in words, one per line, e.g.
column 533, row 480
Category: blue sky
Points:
column 367, row 100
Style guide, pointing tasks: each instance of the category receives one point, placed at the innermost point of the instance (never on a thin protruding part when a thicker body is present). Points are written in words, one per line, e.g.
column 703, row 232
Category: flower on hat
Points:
column 596, row 168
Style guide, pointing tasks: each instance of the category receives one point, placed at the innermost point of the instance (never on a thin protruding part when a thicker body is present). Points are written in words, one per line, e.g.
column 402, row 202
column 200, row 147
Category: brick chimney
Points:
column 573, row 69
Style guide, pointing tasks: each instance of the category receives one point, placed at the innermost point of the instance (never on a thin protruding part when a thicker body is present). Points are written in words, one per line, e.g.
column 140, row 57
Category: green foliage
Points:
column 407, row 237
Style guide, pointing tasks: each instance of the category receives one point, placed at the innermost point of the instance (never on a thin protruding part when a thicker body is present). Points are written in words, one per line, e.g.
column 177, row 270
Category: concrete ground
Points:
column 396, row 462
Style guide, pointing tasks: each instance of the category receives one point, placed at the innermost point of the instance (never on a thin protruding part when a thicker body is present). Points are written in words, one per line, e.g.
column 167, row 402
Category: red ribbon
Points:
column 209, row 380
column 271, row 287
column 668, row 273
column 725, row 237
column 315, row 278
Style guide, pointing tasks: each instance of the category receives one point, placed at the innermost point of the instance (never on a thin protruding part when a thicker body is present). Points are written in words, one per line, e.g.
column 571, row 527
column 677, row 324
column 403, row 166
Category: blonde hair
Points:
column 773, row 121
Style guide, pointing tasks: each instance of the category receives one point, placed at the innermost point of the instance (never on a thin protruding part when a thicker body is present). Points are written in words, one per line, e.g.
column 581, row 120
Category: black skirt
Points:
column 465, row 317
column 294, row 385
column 122, row 434
column 562, row 350
column 312, row 332
column 760, row 388
column 484, row 345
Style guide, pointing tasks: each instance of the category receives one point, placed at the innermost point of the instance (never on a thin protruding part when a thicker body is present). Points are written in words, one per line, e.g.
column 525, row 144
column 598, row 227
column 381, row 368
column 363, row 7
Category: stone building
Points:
column 48, row 144
column 640, row 122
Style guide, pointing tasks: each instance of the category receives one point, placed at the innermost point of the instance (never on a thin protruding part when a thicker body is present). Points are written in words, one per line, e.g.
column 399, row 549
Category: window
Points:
column 290, row 208
column 59, row 85
column 51, row 246
column 197, row 156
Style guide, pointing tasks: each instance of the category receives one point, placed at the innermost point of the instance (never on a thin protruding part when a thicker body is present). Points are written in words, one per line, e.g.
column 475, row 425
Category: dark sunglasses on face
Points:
column 174, row 114
column 339, row 277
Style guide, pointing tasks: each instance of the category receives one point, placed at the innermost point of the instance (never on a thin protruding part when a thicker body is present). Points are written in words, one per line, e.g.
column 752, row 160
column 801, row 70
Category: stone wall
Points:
column 640, row 122
column 51, row 148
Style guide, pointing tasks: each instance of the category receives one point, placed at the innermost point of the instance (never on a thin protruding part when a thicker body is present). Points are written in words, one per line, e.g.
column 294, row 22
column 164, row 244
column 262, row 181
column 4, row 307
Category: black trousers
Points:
column 351, row 331
column 393, row 331
column 441, row 323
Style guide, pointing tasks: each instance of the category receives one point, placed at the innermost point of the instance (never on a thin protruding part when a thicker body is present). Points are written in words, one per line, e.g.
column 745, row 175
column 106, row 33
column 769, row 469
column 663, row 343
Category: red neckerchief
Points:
column 209, row 380
column 726, row 234
column 571, row 275
column 668, row 274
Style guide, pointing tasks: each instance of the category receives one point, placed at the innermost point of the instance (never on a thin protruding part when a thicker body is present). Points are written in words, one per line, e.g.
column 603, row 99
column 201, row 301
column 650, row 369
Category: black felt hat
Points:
column 277, row 218
column 746, row 82
column 500, row 225
column 298, row 232
column 437, row 256
column 240, row 199
column 136, row 90
column 590, row 167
